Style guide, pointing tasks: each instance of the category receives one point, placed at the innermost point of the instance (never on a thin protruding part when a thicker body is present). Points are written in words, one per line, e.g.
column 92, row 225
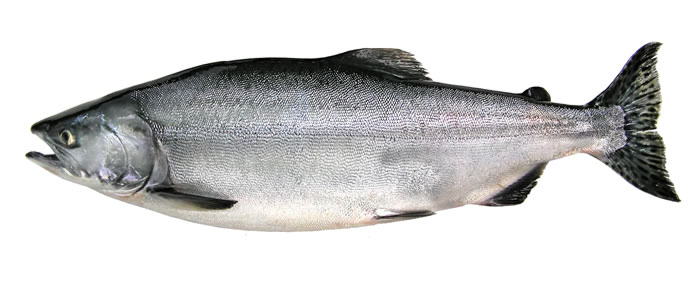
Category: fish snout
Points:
column 41, row 127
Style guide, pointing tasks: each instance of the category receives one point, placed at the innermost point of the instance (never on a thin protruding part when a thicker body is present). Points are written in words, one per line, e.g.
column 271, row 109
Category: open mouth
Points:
column 48, row 161
column 56, row 164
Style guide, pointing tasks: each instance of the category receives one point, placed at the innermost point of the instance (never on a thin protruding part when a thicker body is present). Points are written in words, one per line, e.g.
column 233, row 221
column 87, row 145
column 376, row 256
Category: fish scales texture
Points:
column 301, row 137
column 360, row 138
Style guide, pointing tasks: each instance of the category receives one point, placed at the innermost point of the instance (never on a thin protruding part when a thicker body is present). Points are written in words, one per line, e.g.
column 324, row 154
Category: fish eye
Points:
column 67, row 137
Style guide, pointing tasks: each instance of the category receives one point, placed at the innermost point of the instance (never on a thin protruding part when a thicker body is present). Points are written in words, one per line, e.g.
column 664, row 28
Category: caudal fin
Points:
column 641, row 161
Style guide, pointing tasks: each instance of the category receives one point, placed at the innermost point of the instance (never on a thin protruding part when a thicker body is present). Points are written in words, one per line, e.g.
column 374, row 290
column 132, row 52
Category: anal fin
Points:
column 517, row 192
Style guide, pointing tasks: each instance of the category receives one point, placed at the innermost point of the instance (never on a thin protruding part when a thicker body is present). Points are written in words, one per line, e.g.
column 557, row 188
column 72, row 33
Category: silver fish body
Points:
column 360, row 138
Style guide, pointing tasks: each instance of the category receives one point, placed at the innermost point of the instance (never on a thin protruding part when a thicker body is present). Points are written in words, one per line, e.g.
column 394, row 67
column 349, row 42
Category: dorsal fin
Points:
column 395, row 62
column 518, row 191
column 537, row 94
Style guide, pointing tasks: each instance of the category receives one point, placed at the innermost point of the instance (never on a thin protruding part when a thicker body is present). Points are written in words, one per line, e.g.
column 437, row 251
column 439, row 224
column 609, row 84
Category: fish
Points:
column 359, row 138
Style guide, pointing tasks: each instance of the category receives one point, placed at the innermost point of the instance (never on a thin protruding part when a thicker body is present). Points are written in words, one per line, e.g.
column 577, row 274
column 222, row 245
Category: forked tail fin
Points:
column 642, row 160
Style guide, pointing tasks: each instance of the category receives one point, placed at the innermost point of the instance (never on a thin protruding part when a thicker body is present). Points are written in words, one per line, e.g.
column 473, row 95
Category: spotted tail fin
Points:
column 641, row 161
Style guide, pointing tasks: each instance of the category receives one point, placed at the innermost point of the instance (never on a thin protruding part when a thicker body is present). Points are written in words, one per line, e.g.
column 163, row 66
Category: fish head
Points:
column 104, row 145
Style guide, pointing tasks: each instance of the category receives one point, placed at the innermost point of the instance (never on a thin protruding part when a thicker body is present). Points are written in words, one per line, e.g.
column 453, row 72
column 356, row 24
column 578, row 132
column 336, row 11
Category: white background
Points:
column 583, row 236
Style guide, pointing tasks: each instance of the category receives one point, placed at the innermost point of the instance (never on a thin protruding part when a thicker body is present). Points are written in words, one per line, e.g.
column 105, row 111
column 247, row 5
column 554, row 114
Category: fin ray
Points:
column 187, row 201
column 517, row 192
column 642, row 160
column 385, row 214
column 394, row 62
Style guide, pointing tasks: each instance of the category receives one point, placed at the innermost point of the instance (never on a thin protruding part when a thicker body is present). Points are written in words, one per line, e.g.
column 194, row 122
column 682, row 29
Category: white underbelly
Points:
column 314, row 192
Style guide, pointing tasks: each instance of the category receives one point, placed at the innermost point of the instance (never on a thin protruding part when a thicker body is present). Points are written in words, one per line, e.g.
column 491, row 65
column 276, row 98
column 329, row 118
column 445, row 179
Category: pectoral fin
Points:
column 385, row 214
column 187, row 201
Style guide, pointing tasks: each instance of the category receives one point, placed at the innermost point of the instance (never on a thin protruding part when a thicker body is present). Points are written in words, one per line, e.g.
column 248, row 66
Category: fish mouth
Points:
column 53, row 164
column 58, row 163
column 48, row 160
